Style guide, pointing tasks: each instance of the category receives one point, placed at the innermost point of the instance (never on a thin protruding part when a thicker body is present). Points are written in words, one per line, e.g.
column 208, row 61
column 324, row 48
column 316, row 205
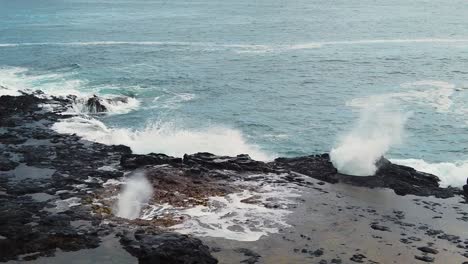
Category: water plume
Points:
column 136, row 193
column 378, row 129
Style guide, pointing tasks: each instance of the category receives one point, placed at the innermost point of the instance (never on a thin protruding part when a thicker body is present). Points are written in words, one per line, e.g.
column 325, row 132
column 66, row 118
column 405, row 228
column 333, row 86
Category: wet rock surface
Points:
column 403, row 180
column 55, row 192
column 167, row 248
column 95, row 105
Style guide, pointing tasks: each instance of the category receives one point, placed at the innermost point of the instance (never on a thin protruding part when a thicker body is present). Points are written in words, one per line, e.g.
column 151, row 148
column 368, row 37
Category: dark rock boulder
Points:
column 241, row 162
column 12, row 106
column 403, row 180
column 465, row 190
column 6, row 164
column 171, row 248
column 316, row 166
column 133, row 161
column 94, row 105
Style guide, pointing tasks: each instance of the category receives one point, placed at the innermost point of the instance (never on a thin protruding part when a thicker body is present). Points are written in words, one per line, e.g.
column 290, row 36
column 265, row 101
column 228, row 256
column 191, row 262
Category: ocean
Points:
column 268, row 78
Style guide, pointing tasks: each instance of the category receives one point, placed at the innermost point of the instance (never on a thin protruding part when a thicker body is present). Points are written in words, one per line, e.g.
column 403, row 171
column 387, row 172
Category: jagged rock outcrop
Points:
column 172, row 248
column 95, row 105
column 403, row 180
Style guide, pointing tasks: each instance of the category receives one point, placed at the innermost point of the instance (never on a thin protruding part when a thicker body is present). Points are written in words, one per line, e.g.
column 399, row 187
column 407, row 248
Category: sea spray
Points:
column 450, row 173
column 164, row 137
column 135, row 194
column 377, row 130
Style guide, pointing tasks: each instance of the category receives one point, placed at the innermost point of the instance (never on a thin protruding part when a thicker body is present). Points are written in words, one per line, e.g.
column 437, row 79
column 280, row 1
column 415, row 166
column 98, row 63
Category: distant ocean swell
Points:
column 242, row 48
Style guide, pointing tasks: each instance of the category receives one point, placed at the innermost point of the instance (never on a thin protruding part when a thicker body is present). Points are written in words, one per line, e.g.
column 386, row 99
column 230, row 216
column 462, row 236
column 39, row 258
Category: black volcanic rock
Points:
column 402, row 179
column 316, row 166
column 167, row 248
column 465, row 190
column 7, row 164
column 133, row 161
column 95, row 105
column 241, row 162
column 66, row 167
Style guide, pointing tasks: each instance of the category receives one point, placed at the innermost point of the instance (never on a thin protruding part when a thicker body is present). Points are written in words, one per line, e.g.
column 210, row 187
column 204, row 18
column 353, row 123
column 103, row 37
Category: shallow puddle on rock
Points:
column 109, row 252
column 41, row 197
column 24, row 171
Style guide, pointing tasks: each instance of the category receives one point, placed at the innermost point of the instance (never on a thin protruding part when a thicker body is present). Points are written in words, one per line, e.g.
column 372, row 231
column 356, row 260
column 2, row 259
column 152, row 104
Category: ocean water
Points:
column 269, row 78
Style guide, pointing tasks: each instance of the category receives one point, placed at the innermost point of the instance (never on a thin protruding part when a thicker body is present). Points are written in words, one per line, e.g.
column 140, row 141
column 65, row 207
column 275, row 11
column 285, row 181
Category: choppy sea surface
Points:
column 269, row 78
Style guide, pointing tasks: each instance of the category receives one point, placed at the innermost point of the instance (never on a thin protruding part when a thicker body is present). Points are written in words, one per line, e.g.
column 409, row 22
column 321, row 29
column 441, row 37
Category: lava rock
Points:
column 167, row 248
column 252, row 256
column 465, row 190
column 241, row 162
column 358, row 258
column 380, row 228
column 402, row 179
column 133, row 161
column 95, row 105
column 424, row 258
column 428, row 250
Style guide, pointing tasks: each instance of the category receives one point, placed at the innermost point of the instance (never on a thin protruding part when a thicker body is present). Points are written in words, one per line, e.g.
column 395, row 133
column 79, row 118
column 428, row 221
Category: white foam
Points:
column 113, row 104
column 172, row 101
column 451, row 174
column 252, row 48
column 16, row 79
column 230, row 218
column 163, row 138
column 438, row 95
column 377, row 130
column 153, row 211
column 65, row 205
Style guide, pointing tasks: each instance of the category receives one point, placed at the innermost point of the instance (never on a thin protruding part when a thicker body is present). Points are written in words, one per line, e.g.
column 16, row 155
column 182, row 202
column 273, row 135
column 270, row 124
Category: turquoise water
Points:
column 282, row 78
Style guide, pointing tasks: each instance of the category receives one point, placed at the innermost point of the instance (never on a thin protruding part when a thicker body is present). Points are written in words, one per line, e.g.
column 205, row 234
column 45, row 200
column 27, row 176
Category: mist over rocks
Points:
column 54, row 188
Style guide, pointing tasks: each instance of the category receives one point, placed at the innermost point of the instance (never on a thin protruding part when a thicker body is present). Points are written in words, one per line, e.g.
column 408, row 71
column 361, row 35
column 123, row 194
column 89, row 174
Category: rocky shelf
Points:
column 56, row 196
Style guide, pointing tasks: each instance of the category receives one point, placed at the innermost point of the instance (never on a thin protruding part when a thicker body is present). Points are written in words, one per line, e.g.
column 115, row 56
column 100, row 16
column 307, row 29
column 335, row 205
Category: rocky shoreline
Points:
column 56, row 193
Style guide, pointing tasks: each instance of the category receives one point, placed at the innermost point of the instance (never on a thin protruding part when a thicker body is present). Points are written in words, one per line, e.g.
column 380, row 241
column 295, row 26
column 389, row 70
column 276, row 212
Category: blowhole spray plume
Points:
column 377, row 130
column 136, row 193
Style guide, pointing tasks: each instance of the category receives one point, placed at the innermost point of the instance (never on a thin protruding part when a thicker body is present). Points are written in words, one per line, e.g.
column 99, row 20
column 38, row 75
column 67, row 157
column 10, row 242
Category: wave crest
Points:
column 450, row 174
column 164, row 138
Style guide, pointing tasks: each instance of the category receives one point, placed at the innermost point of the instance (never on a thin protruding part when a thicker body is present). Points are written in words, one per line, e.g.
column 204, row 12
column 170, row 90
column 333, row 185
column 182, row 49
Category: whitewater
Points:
column 380, row 127
column 357, row 79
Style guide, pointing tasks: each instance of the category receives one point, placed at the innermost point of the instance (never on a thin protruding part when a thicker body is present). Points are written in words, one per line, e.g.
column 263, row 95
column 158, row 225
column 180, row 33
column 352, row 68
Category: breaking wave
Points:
column 157, row 137
column 437, row 94
column 450, row 174
column 14, row 80
column 164, row 138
